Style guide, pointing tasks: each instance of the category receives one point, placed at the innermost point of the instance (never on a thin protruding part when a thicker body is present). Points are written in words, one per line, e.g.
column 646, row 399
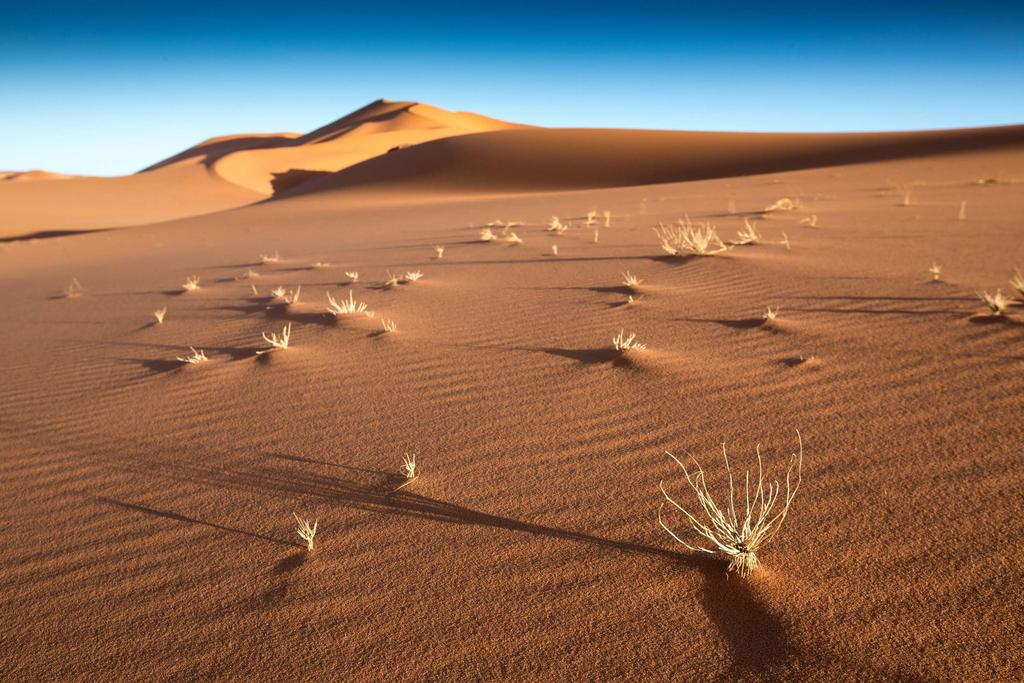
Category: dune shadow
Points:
column 190, row 520
column 589, row 356
column 50, row 234
column 283, row 312
column 159, row 365
column 737, row 324
column 758, row 641
column 173, row 292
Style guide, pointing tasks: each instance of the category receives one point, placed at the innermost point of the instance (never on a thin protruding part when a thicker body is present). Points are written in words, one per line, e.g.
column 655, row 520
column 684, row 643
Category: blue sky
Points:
column 107, row 88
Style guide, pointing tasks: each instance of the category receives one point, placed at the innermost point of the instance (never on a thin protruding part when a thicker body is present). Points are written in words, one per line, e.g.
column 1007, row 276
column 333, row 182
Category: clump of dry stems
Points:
column 277, row 342
column 306, row 531
column 194, row 357
column 748, row 234
column 996, row 303
column 740, row 538
column 1017, row 282
column 936, row 272
column 346, row 306
column 191, row 283
column 622, row 343
column 74, row 289
column 159, row 315
column 408, row 469
column 686, row 237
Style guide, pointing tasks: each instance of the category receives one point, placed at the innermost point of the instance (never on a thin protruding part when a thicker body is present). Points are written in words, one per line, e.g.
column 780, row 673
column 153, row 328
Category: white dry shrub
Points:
column 738, row 536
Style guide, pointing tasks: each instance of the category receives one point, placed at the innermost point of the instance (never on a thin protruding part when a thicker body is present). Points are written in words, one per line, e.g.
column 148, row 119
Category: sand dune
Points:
column 225, row 172
column 543, row 160
column 148, row 526
column 406, row 151
column 24, row 176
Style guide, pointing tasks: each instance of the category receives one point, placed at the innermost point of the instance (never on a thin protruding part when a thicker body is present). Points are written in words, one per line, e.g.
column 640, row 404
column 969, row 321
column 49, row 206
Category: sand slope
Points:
column 564, row 159
column 147, row 520
column 223, row 172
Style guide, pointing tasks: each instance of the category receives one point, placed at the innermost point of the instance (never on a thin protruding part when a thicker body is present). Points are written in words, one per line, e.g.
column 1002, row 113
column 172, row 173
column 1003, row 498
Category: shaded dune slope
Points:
column 571, row 159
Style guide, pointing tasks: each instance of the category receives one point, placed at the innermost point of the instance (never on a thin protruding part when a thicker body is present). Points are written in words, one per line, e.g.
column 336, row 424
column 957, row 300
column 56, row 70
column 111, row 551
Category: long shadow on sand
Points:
column 738, row 324
column 756, row 638
column 190, row 520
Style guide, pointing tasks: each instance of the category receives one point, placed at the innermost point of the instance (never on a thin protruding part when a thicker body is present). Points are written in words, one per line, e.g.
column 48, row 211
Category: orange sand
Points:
column 147, row 518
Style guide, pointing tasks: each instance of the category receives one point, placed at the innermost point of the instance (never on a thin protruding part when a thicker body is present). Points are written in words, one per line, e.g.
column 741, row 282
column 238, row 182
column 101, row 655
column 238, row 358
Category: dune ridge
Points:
column 543, row 160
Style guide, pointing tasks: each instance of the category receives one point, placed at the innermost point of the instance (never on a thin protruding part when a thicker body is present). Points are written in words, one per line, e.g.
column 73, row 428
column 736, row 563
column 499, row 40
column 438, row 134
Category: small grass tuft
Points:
column 996, row 303
column 73, row 290
column 622, row 343
column 195, row 357
column 277, row 342
column 191, row 283
column 159, row 315
column 347, row 306
column 306, row 531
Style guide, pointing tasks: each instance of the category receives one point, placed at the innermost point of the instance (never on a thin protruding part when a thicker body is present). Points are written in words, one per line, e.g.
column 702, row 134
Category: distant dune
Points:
column 545, row 160
column 22, row 176
column 410, row 152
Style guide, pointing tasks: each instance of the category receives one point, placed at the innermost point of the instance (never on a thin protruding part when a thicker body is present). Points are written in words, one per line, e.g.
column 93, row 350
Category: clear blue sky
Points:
column 110, row 87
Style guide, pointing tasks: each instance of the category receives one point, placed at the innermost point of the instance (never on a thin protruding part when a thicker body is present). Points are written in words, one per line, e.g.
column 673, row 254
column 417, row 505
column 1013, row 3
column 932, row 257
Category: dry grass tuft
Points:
column 591, row 217
column 770, row 314
column 554, row 250
column 513, row 239
column 556, row 226
column 73, row 290
column 686, row 237
column 191, row 283
column 765, row 509
column 748, row 235
column 622, row 343
column 270, row 258
column 487, row 235
column 195, row 357
column 907, row 199
column 347, row 306
column 248, row 275
column 352, row 275
column 277, row 342
column 962, row 214
column 630, row 280
column 996, row 303
column 784, row 204
column 408, row 470
column 319, row 265
column 388, row 325
column 306, row 531
column 412, row 276
column 159, row 315
column 936, row 271
column 811, row 221
column 255, row 292
column 439, row 251
column 607, row 218
column 1017, row 282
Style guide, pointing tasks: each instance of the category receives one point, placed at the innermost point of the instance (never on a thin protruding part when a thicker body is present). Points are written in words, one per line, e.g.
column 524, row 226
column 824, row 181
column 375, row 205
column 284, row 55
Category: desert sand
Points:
column 148, row 525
